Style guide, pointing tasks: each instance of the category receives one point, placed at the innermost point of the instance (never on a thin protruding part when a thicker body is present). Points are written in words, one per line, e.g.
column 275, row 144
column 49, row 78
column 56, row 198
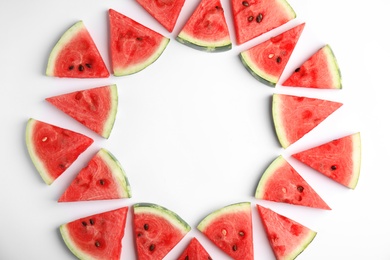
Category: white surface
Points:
column 194, row 130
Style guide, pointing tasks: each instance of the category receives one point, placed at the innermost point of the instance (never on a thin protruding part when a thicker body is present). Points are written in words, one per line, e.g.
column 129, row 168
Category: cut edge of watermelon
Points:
column 118, row 172
column 251, row 67
column 65, row 38
column 34, row 158
column 163, row 212
column 207, row 46
column 134, row 68
column 237, row 207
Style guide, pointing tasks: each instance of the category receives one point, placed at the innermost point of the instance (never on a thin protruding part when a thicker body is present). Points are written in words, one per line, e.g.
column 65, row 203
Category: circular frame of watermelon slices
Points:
column 269, row 158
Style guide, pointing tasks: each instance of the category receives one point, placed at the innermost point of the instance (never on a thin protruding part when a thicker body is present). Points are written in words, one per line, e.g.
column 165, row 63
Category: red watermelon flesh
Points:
column 165, row 12
column 133, row 46
column 253, row 18
column 230, row 229
column 103, row 178
column 206, row 29
column 157, row 230
column 194, row 251
column 267, row 60
column 76, row 56
column 97, row 236
column 282, row 183
column 287, row 237
column 319, row 71
column 53, row 149
column 338, row 159
column 295, row 116
column 95, row 108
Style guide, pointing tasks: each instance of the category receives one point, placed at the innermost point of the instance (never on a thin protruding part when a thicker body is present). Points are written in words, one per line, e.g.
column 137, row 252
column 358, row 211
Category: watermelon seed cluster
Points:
column 235, row 240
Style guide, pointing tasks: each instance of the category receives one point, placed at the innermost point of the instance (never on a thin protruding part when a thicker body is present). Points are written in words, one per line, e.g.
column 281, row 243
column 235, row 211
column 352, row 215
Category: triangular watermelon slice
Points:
column 338, row 159
column 133, row 46
column 253, row 18
column 157, row 230
column 320, row 71
column 267, row 60
column 230, row 229
column 165, row 12
column 194, row 251
column 95, row 108
column 53, row 149
column 103, row 178
column 287, row 237
column 282, row 183
column 295, row 116
column 98, row 236
column 76, row 56
column 206, row 29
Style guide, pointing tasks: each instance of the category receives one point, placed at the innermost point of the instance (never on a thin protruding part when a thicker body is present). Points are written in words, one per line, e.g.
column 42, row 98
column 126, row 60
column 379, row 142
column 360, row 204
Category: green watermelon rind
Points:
column 207, row 46
column 260, row 75
column 356, row 158
column 118, row 72
column 259, row 193
column 109, row 124
column 117, row 172
column 169, row 215
column 65, row 38
column 333, row 66
column 304, row 244
column 237, row 207
column 34, row 158
column 279, row 128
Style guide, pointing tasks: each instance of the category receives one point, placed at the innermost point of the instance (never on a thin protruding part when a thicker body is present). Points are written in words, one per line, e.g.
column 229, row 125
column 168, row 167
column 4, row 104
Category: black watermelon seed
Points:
column 245, row 3
column 88, row 65
column 297, row 69
column 97, row 244
column 101, row 182
column 81, row 67
column 91, row 221
column 146, row 226
column 300, row 188
column 250, row 18
column 84, row 223
column 278, row 60
column 71, row 67
column 333, row 167
column 234, row 248
column 152, row 247
column 259, row 18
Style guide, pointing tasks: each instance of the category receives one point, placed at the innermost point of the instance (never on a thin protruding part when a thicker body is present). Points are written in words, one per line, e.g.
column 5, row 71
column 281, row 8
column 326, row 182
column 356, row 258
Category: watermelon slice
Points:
column 76, row 56
column 230, row 228
column 133, row 46
column 53, row 149
column 320, row 71
column 206, row 29
column 282, row 183
column 295, row 116
column 338, row 159
column 97, row 236
column 287, row 237
column 103, row 178
column 253, row 18
column 95, row 108
column 267, row 60
column 157, row 230
column 165, row 12
column 194, row 251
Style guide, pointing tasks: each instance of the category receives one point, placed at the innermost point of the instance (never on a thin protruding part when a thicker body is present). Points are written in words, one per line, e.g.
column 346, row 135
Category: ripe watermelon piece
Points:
column 157, row 230
column 194, row 251
column 287, row 237
column 253, row 18
column 320, row 71
column 53, row 149
column 267, row 60
column 75, row 55
column 282, row 183
column 206, row 29
column 103, row 178
column 98, row 236
column 230, row 229
column 95, row 108
column 165, row 12
column 338, row 159
column 295, row 116
column 133, row 46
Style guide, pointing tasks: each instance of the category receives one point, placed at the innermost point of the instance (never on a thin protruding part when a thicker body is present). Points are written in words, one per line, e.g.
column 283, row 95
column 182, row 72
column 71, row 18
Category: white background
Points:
column 194, row 130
